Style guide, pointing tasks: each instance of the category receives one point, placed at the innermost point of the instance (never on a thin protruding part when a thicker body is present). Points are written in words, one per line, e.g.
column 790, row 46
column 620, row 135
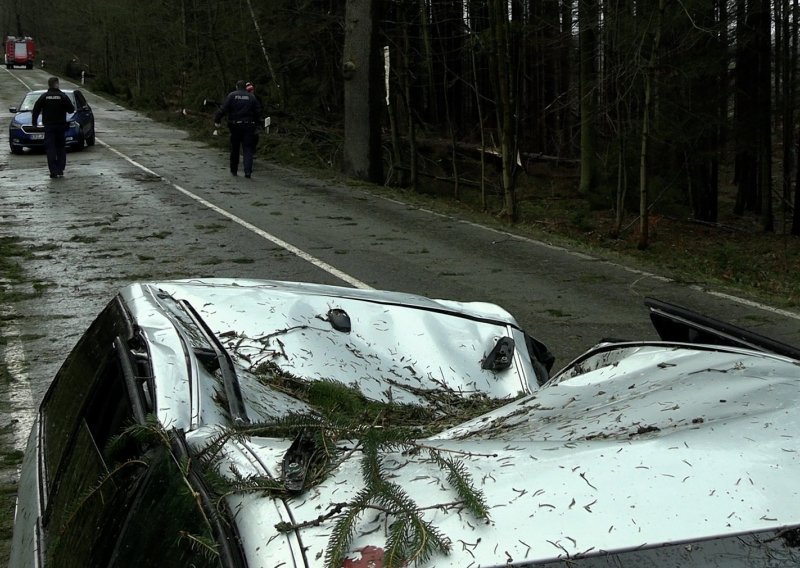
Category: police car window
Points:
column 79, row 99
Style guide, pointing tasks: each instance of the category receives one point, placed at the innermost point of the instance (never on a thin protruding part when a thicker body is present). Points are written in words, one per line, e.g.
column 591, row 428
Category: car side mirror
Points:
column 500, row 357
column 12, row 109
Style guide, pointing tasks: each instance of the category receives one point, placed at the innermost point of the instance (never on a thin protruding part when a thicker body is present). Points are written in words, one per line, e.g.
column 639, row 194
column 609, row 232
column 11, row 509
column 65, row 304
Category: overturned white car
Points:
column 258, row 423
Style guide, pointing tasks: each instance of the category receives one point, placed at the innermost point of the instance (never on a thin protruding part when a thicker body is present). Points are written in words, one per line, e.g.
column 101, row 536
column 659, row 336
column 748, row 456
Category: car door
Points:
column 69, row 455
column 106, row 494
column 84, row 115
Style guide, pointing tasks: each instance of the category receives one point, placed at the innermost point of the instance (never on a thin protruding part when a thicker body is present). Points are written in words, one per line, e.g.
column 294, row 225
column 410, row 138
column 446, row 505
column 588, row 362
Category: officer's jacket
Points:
column 241, row 107
column 53, row 105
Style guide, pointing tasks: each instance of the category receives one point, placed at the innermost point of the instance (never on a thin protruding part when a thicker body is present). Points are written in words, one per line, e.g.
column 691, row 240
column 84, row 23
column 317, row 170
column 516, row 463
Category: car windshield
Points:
column 31, row 98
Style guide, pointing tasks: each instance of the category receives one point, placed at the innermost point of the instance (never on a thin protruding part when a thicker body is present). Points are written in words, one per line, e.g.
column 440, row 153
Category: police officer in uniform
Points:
column 243, row 110
column 54, row 105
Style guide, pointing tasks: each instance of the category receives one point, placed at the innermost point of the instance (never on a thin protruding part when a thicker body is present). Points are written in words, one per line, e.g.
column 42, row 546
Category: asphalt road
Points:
column 148, row 203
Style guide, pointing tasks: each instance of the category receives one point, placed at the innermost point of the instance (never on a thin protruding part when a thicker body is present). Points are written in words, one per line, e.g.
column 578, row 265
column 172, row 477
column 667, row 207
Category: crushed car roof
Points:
column 397, row 347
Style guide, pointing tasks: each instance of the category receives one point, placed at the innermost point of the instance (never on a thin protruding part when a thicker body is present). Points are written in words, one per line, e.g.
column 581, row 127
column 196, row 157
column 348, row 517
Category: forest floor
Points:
column 733, row 255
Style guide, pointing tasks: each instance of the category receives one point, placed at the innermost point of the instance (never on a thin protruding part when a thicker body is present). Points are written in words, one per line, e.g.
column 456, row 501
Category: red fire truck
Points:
column 20, row 51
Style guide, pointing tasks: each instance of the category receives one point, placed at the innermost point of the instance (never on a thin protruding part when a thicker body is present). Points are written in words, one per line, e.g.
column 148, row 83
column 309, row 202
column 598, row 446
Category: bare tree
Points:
column 267, row 59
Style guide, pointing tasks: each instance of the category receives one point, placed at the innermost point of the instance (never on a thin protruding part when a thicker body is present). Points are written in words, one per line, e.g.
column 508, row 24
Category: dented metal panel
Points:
column 397, row 345
column 666, row 445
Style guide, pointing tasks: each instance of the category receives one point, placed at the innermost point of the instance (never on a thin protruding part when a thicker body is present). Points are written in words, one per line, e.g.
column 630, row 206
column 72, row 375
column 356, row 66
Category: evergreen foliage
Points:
column 343, row 425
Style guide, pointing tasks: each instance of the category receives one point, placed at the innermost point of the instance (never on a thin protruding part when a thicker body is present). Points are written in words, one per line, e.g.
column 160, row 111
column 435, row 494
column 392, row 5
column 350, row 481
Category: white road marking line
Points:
column 250, row 227
column 358, row 284
column 584, row 256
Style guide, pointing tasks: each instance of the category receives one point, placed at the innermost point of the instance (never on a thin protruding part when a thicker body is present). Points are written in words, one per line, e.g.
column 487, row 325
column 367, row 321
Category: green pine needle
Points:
column 344, row 530
column 460, row 479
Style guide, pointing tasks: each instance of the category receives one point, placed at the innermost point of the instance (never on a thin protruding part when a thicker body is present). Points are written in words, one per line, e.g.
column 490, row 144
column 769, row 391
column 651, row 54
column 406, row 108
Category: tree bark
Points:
column 764, row 42
column 795, row 230
column 588, row 15
column 505, row 106
column 787, row 95
column 706, row 87
column 363, row 92
column 644, row 200
column 565, row 76
column 746, row 111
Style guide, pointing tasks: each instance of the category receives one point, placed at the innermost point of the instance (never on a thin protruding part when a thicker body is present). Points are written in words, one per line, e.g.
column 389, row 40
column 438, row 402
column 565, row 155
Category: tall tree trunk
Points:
column 566, row 54
column 764, row 42
column 622, row 189
column 393, row 100
column 788, row 93
column 588, row 22
column 619, row 117
column 409, row 108
column 448, row 34
column 364, row 92
column 453, row 151
column 746, row 111
column 644, row 200
column 426, row 69
column 267, row 59
column 706, row 86
column 481, row 128
column 502, row 70
column 644, row 213
column 796, row 209
column 550, row 79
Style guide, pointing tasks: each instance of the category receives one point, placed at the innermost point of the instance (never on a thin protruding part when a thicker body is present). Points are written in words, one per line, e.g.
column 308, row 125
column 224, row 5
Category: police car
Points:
column 23, row 134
